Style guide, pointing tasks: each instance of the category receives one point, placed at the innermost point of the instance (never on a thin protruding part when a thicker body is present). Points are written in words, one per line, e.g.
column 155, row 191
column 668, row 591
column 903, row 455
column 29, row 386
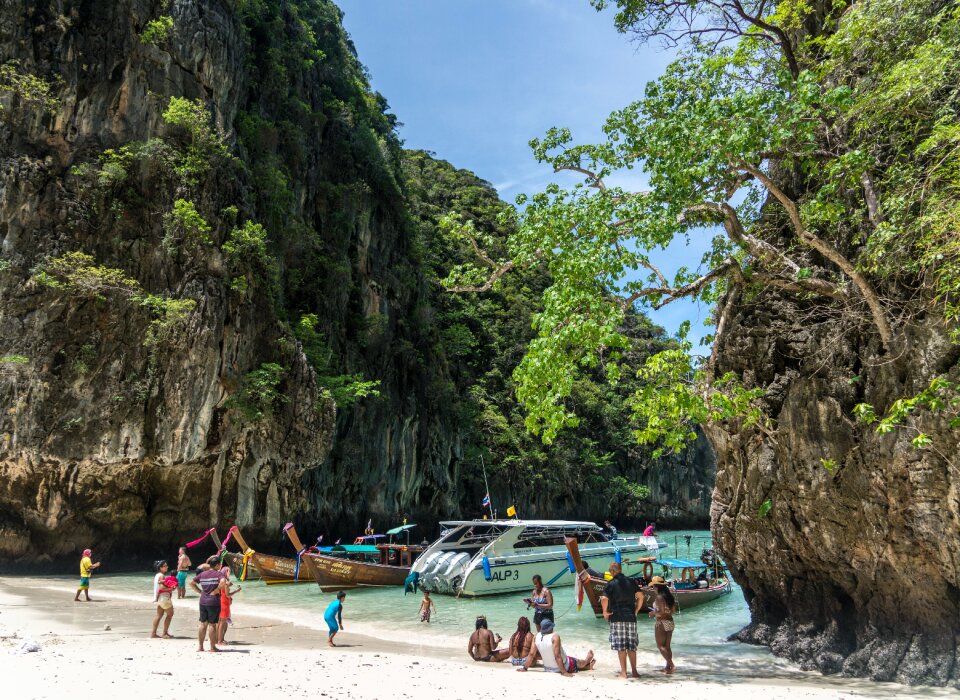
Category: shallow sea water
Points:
column 700, row 641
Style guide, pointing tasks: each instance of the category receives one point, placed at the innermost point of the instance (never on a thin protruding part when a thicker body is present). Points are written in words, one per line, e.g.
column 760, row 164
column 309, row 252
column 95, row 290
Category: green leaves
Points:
column 157, row 31
column 764, row 509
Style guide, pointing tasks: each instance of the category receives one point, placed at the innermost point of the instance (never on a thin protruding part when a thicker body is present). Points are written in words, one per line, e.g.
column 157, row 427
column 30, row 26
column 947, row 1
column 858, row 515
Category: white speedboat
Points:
column 485, row 557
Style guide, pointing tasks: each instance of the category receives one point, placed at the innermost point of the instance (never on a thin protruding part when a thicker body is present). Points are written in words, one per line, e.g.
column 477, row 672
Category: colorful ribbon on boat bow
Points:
column 246, row 557
column 296, row 571
column 226, row 539
column 190, row 545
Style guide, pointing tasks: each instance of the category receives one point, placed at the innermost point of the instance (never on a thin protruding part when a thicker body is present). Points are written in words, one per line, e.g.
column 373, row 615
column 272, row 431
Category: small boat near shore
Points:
column 361, row 565
column 274, row 569
column 487, row 557
column 699, row 582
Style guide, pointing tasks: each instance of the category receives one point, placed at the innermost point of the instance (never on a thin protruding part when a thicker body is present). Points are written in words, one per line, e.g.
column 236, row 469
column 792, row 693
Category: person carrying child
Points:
column 163, row 588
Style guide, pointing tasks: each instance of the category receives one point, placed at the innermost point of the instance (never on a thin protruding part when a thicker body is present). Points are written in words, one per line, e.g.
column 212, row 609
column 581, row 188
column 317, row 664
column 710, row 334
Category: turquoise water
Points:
column 699, row 641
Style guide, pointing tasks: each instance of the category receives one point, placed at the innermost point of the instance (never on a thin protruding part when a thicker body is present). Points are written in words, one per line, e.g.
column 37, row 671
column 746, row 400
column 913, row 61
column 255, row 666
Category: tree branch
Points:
column 592, row 176
column 674, row 293
column 486, row 286
column 830, row 253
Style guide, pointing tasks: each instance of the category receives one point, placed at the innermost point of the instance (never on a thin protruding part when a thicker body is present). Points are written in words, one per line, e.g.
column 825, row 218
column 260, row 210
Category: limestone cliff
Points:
column 207, row 242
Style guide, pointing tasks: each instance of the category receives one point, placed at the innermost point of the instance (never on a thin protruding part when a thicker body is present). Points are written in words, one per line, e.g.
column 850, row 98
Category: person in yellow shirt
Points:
column 86, row 568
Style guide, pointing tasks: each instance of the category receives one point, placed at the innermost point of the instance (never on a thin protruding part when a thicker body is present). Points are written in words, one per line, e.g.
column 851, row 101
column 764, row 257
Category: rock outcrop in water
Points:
column 131, row 423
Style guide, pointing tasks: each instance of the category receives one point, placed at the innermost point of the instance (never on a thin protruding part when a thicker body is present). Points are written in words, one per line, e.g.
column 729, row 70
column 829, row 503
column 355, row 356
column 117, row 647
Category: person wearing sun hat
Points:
column 663, row 609
column 86, row 568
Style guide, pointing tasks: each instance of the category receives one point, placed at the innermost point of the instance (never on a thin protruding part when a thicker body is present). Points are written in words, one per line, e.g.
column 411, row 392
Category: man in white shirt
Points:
column 547, row 647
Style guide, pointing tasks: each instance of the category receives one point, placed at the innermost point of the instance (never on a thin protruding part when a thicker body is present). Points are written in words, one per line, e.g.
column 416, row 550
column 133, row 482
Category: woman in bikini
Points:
column 542, row 601
column 663, row 609
column 521, row 643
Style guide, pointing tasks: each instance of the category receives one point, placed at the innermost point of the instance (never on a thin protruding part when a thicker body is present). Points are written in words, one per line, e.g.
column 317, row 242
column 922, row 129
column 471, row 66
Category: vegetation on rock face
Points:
column 823, row 140
column 482, row 337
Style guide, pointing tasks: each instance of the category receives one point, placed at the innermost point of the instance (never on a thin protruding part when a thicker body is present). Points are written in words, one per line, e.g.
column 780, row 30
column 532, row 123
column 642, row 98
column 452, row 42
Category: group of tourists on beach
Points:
column 212, row 582
column 622, row 601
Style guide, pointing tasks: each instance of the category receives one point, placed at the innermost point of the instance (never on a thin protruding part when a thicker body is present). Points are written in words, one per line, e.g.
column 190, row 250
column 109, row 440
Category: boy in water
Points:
column 86, row 568
column 426, row 606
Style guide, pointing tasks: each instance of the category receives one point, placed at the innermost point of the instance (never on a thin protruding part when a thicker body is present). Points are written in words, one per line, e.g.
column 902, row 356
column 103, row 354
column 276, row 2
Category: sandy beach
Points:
column 100, row 649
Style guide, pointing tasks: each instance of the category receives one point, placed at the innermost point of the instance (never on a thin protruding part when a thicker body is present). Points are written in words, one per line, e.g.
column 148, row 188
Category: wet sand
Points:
column 80, row 658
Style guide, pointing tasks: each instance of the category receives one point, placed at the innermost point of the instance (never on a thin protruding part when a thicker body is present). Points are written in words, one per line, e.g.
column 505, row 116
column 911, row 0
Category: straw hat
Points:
column 658, row 581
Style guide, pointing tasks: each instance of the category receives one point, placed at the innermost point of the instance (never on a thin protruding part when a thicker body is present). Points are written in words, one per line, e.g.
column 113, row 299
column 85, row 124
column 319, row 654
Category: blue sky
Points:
column 474, row 80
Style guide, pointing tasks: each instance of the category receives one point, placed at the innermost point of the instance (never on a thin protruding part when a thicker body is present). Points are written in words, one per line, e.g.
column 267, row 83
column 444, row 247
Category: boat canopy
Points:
column 402, row 528
column 681, row 563
column 514, row 523
column 356, row 548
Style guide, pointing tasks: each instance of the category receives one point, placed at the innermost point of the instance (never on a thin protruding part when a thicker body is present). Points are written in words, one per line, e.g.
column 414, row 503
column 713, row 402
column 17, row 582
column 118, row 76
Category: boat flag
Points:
column 578, row 591
column 512, row 512
column 486, row 501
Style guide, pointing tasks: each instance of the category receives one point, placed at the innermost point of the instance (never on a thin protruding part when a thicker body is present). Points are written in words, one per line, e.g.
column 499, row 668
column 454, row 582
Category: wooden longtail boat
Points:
column 359, row 565
column 688, row 591
column 235, row 560
column 274, row 569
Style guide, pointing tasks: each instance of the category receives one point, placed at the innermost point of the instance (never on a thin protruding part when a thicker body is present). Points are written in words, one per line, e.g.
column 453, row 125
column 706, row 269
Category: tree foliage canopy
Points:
column 821, row 136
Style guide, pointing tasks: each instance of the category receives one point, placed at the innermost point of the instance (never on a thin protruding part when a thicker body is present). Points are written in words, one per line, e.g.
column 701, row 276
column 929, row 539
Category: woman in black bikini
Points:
column 542, row 601
column 663, row 608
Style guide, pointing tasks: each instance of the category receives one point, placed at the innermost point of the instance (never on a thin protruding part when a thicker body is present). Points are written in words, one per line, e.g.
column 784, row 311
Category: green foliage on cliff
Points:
column 32, row 91
column 482, row 337
column 78, row 273
column 157, row 31
column 259, row 395
column 823, row 140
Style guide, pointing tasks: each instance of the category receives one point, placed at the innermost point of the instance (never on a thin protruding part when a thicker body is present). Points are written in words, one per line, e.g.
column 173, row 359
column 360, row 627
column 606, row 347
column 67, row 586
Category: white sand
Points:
column 79, row 659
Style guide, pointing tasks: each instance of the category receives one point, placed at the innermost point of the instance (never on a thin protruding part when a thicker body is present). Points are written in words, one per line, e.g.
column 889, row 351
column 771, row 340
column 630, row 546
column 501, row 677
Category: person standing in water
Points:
column 334, row 617
column 183, row 568
column 542, row 601
column 162, row 596
column 86, row 568
column 426, row 606
column 663, row 609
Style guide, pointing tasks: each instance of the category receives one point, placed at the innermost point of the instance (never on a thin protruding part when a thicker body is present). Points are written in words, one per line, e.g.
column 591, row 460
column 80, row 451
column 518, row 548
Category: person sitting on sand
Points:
column 334, row 617
column 521, row 643
column 226, row 598
column 482, row 645
column 183, row 568
column 209, row 583
column 663, row 608
column 547, row 648
column 162, row 596
column 86, row 568
column 426, row 606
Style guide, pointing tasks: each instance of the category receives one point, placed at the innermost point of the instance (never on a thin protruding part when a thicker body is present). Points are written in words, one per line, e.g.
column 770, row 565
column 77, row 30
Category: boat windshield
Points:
column 466, row 537
column 553, row 535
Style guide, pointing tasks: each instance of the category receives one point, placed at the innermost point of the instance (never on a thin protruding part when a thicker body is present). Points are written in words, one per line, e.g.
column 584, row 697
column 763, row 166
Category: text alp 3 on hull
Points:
column 486, row 557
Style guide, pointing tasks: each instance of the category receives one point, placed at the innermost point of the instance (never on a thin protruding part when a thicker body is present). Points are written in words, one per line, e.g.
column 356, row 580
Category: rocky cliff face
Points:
column 108, row 438
column 854, row 569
